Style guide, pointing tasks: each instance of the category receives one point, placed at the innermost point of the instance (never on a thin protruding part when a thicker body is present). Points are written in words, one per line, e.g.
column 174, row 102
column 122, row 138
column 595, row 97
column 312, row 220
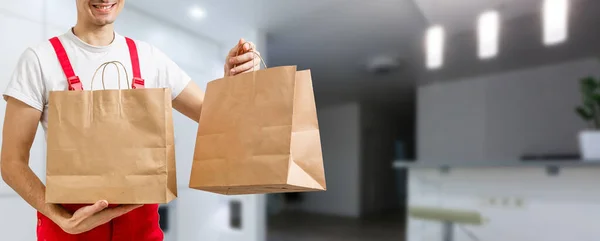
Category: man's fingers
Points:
column 242, row 58
column 93, row 209
column 242, row 68
column 249, row 62
column 247, row 46
column 111, row 213
column 243, row 45
column 234, row 51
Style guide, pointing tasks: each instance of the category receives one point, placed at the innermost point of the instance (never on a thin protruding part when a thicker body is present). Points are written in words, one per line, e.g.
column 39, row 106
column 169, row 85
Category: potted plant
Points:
column 589, row 111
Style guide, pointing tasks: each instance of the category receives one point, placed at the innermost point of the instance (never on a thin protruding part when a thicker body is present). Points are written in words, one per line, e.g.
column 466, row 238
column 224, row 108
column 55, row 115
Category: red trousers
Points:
column 141, row 224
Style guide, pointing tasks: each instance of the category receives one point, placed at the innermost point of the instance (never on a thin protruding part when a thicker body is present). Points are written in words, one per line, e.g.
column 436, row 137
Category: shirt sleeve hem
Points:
column 176, row 90
column 23, row 98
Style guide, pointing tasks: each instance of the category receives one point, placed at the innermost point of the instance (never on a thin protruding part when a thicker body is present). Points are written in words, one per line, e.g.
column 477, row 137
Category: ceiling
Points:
column 461, row 15
column 225, row 20
column 336, row 38
column 274, row 16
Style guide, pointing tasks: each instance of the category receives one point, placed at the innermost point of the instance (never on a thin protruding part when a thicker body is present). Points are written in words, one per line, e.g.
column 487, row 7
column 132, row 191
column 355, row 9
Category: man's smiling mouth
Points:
column 104, row 6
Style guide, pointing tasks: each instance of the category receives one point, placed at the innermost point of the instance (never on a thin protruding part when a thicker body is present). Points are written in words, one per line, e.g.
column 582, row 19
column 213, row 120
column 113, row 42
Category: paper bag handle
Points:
column 261, row 59
column 103, row 66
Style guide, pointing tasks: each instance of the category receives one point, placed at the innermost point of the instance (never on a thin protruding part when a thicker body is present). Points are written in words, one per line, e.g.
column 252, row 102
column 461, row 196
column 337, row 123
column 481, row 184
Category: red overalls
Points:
column 141, row 224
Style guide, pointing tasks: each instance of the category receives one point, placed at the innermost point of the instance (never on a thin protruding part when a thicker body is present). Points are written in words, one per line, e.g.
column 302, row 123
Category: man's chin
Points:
column 105, row 21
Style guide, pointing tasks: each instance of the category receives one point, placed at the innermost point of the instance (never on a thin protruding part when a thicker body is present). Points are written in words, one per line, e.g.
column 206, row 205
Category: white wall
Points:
column 502, row 116
column 532, row 111
column 451, row 121
column 340, row 140
column 25, row 23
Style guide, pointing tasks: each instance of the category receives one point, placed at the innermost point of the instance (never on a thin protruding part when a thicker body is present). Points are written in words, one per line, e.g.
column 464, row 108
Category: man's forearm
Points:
column 23, row 180
column 189, row 102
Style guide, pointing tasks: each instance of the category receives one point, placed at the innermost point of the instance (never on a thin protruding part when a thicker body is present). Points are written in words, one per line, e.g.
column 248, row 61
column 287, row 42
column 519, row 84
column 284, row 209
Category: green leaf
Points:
column 596, row 97
column 589, row 83
column 588, row 102
column 585, row 113
column 590, row 96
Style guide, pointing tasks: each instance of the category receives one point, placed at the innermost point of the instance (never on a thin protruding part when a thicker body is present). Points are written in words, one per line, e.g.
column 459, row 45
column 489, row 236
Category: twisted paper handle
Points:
column 103, row 66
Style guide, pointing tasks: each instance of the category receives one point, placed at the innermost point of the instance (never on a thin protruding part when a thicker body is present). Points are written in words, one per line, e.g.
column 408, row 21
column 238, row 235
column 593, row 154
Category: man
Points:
column 91, row 42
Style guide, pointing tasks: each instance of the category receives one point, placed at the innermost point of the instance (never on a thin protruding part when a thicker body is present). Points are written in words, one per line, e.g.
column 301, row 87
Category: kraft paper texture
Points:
column 258, row 133
column 114, row 145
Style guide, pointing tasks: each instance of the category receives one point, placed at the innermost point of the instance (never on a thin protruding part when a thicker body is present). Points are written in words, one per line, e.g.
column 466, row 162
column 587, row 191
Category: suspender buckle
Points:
column 73, row 80
column 75, row 83
column 138, row 83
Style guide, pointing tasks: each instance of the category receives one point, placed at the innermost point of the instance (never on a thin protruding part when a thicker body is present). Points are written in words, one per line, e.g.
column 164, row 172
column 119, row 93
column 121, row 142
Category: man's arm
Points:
column 189, row 101
column 242, row 58
column 20, row 126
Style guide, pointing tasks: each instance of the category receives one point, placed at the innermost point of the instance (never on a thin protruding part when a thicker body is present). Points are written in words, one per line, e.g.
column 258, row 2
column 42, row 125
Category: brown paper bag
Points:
column 258, row 133
column 114, row 145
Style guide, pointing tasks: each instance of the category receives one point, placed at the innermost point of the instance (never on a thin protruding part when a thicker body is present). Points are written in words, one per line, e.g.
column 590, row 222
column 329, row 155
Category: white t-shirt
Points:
column 38, row 71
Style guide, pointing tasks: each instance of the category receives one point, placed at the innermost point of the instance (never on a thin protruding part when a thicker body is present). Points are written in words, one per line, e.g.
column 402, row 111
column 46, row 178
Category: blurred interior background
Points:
column 440, row 120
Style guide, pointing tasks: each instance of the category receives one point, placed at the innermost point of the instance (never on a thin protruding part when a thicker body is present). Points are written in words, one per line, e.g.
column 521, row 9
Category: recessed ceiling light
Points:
column 555, row 21
column 197, row 12
column 488, row 28
column 435, row 47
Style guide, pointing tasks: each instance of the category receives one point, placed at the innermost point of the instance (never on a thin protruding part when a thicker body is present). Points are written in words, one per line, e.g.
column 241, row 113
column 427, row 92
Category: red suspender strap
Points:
column 138, row 82
column 73, row 80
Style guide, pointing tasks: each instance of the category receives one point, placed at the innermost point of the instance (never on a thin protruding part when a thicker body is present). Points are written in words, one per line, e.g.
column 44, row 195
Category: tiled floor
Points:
column 302, row 226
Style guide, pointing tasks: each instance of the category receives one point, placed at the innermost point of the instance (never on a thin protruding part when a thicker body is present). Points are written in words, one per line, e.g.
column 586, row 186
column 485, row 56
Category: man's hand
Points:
column 242, row 58
column 90, row 217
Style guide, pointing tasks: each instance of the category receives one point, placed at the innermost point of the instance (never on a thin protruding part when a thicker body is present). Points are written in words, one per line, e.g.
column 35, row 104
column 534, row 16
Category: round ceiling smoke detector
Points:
column 382, row 64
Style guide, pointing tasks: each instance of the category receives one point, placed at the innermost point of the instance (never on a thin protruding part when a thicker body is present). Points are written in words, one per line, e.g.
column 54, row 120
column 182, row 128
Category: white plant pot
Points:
column 589, row 144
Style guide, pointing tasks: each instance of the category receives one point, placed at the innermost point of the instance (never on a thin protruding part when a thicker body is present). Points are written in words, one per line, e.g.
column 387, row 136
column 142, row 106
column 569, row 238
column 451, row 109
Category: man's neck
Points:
column 95, row 35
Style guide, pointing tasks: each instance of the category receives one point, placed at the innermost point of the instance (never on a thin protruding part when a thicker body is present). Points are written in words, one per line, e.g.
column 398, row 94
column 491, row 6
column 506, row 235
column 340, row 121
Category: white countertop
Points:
column 496, row 164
